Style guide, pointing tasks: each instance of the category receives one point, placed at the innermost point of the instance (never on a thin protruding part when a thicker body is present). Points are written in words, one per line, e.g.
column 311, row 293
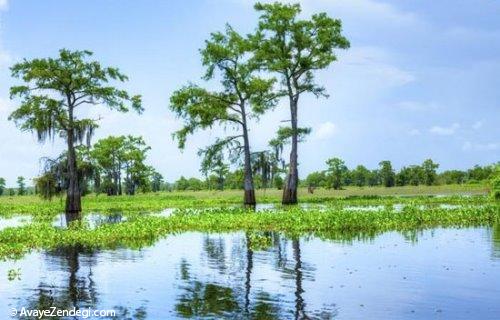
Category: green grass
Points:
column 34, row 205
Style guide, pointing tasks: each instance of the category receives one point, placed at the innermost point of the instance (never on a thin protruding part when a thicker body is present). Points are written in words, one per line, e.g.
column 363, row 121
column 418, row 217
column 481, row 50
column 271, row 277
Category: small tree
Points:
column 21, row 186
column 360, row 176
column 337, row 171
column 156, row 181
column 54, row 89
column 387, row 175
column 317, row 179
column 244, row 95
column 214, row 162
column 295, row 49
column 429, row 171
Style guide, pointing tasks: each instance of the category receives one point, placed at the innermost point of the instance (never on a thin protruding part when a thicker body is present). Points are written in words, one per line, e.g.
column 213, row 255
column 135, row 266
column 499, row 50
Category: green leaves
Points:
column 295, row 48
column 123, row 153
column 54, row 87
column 243, row 93
column 336, row 170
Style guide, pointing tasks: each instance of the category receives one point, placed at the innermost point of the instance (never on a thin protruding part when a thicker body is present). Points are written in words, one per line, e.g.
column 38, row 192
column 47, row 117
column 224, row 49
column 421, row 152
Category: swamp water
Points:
column 435, row 274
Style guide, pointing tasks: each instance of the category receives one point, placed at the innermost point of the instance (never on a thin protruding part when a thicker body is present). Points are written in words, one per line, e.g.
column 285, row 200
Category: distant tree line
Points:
column 116, row 165
column 338, row 175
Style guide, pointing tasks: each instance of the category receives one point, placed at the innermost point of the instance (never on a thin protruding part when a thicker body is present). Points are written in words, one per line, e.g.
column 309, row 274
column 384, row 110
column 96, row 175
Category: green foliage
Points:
column 157, row 181
column 317, row 179
column 121, row 158
column 295, row 48
column 47, row 185
column 54, row 90
column 55, row 86
column 258, row 241
column 21, row 186
column 360, row 176
column 337, row 171
column 244, row 94
column 429, row 171
column 278, row 182
column 479, row 173
column 2, row 186
column 452, row 177
column 192, row 184
column 266, row 167
column 495, row 184
column 386, row 173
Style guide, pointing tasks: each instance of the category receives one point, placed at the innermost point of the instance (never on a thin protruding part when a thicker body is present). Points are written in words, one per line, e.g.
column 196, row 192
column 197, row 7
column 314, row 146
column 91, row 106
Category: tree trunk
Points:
column 120, row 180
column 249, row 197
column 73, row 198
column 292, row 179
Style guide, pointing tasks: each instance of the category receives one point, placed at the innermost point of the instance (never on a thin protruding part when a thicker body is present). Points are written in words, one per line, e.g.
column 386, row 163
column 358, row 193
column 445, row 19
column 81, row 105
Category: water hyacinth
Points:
column 328, row 220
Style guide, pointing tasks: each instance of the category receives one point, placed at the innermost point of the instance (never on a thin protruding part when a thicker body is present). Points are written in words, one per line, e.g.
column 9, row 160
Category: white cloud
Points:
column 4, row 4
column 480, row 146
column 445, row 131
column 325, row 131
column 477, row 125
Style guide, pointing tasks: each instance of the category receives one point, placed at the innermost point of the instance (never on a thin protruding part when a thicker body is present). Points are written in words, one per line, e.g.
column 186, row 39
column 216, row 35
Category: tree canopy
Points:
column 54, row 87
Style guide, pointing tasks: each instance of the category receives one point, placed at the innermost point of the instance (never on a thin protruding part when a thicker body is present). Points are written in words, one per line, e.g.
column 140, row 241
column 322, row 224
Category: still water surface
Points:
column 435, row 274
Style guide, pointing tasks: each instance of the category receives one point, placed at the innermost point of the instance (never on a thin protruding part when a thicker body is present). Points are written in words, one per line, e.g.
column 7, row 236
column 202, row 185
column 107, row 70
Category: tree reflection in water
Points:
column 77, row 289
column 241, row 298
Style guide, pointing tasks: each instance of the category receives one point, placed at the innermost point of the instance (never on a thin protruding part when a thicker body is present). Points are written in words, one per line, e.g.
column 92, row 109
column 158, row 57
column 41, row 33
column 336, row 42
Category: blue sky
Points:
column 420, row 80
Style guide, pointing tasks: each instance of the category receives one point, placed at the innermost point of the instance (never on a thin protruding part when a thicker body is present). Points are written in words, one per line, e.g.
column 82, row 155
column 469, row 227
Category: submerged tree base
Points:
column 289, row 196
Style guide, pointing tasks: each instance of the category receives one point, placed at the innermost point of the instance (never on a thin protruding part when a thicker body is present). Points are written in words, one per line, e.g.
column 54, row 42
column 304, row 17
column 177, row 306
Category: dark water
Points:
column 436, row 274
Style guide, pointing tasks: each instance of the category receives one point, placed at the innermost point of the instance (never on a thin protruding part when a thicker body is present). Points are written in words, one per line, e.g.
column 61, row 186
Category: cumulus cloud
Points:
column 325, row 131
column 445, row 131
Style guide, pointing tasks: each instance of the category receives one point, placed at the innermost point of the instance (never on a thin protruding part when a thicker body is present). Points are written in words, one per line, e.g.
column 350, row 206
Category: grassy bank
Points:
column 34, row 205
